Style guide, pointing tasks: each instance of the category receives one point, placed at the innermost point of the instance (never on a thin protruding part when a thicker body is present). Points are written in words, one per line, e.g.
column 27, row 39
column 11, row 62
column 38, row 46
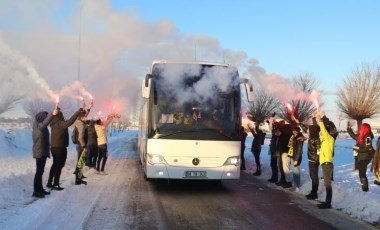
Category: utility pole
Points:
column 195, row 51
column 79, row 47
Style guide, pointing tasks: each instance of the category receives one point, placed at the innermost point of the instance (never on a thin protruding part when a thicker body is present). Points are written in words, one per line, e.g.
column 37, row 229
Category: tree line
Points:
column 358, row 98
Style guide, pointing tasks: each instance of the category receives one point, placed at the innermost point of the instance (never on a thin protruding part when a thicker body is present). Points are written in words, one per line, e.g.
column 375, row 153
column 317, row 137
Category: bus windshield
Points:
column 195, row 102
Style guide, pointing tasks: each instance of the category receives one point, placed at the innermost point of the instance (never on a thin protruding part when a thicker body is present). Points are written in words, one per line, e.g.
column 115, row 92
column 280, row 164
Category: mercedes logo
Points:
column 195, row 161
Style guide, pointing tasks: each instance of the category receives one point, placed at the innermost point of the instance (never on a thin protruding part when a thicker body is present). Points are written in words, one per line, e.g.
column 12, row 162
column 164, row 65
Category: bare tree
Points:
column 32, row 107
column 9, row 102
column 306, row 82
column 302, row 109
column 263, row 106
column 359, row 98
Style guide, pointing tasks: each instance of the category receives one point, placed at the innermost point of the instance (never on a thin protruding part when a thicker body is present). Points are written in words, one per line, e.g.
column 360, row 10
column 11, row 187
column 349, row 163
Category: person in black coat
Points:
column 92, row 145
column 313, row 146
column 256, row 146
column 242, row 149
column 59, row 143
column 272, row 150
column 41, row 148
column 282, row 148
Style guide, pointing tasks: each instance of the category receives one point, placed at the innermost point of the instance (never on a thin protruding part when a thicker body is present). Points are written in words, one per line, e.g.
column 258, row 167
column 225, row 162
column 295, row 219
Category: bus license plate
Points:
column 195, row 174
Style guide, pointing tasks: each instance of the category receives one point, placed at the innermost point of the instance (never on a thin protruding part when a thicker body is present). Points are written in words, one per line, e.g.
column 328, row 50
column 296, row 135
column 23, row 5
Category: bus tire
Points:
column 146, row 178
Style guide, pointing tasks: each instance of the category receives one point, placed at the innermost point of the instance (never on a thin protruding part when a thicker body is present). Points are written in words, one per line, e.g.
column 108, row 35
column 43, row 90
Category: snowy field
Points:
column 17, row 168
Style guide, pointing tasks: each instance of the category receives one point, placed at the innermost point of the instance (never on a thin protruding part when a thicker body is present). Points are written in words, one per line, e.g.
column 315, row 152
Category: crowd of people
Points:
column 286, row 151
column 89, row 136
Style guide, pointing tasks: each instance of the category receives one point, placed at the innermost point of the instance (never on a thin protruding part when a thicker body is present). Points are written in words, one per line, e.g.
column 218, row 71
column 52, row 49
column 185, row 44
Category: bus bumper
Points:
column 171, row 172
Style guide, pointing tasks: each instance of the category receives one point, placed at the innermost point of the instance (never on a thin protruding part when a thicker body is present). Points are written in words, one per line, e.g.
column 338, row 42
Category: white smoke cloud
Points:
column 115, row 49
column 115, row 52
column 279, row 86
column 25, row 65
column 215, row 80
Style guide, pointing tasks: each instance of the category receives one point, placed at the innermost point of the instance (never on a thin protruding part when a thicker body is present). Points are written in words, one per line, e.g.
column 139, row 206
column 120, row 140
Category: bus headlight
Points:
column 156, row 159
column 232, row 161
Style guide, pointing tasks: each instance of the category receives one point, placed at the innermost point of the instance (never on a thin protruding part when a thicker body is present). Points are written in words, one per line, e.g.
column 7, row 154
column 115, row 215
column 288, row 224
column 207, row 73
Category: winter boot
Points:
column 79, row 181
column 312, row 196
column 257, row 173
column 324, row 205
column 38, row 194
column 43, row 191
column 364, row 182
column 287, row 185
column 281, row 182
column 273, row 179
column 50, row 183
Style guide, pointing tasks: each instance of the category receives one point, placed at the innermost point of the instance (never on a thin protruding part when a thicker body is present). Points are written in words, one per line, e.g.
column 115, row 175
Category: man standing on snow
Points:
column 256, row 146
column 101, row 132
column 41, row 148
column 294, row 157
column 59, row 143
column 313, row 146
column 244, row 135
column 326, row 158
column 81, row 144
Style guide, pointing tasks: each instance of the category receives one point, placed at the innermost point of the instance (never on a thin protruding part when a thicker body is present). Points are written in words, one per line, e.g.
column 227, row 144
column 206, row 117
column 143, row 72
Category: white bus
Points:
column 190, row 121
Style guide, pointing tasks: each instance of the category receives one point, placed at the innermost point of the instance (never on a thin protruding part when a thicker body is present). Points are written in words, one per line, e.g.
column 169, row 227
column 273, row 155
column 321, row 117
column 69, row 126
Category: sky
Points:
column 108, row 45
column 18, row 210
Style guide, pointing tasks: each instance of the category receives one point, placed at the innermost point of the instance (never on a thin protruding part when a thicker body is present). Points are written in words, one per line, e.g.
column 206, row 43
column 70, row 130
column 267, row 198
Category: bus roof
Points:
column 190, row 62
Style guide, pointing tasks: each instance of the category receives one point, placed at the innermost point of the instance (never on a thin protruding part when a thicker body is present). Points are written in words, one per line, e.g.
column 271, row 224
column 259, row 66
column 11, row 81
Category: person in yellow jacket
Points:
column 326, row 158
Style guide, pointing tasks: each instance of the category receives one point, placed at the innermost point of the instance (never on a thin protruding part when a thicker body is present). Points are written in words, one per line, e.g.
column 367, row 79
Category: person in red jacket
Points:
column 364, row 151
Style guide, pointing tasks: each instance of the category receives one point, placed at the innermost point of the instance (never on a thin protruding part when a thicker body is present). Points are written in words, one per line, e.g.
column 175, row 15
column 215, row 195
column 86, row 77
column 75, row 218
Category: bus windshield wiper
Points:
column 220, row 132
column 177, row 132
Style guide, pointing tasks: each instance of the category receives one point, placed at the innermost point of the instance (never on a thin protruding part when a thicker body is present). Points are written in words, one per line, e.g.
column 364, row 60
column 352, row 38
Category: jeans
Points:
column 274, row 167
column 242, row 164
column 40, row 168
column 313, row 171
column 102, row 158
column 281, row 167
column 256, row 154
column 92, row 155
column 327, row 169
column 286, row 162
column 363, row 170
column 59, row 160
column 79, row 151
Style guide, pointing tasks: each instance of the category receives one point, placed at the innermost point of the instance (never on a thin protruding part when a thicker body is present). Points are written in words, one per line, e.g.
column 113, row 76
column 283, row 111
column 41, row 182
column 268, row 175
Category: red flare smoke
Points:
column 316, row 104
column 288, row 106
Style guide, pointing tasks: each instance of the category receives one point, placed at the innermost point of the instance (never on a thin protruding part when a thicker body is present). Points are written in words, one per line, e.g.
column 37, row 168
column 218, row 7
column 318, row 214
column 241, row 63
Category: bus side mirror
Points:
column 248, row 88
column 146, row 84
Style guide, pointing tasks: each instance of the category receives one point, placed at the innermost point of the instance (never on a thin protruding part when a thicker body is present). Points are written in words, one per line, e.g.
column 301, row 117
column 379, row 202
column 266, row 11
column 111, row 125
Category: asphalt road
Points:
column 127, row 201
